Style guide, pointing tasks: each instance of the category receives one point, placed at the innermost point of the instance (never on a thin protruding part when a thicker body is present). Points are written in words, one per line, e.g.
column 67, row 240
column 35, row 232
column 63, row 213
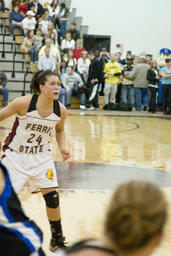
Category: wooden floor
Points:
column 104, row 146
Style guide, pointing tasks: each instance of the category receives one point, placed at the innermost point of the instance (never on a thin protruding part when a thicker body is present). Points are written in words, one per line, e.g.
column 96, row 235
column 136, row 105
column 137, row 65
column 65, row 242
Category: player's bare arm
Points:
column 60, row 134
column 18, row 106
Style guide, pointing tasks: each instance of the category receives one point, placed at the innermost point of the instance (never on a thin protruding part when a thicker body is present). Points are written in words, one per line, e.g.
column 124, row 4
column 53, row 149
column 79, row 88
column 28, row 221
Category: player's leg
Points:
column 51, row 197
column 46, row 180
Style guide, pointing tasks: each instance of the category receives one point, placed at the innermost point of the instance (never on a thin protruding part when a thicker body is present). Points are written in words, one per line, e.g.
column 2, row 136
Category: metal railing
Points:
column 3, row 29
column 25, row 76
column 14, row 51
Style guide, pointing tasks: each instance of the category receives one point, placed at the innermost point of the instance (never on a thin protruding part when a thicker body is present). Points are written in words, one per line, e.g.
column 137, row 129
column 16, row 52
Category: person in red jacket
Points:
column 79, row 49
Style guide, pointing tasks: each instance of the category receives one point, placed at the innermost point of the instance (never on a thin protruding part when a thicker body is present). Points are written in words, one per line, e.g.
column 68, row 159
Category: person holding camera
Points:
column 73, row 80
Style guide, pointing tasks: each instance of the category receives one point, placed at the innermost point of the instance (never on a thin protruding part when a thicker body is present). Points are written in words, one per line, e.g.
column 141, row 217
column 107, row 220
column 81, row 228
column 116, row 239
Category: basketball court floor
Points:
column 107, row 148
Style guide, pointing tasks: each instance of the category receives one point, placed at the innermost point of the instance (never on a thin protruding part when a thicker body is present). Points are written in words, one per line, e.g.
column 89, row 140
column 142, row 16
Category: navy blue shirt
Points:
column 16, row 16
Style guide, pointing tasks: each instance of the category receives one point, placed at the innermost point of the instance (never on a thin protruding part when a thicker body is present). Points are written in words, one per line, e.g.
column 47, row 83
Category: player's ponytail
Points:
column 38, row 79
column 137, row 213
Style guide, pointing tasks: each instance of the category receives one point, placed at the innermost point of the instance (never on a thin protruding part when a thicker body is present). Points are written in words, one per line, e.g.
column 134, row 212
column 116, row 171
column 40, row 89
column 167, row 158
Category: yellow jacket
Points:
column 110, row 69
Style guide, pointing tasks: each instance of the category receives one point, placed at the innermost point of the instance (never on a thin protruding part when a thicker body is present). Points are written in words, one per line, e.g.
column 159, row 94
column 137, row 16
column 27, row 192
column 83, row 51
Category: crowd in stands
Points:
column 133, row 82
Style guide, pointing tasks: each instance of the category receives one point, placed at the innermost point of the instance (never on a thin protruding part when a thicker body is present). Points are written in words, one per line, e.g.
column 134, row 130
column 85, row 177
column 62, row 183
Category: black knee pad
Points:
column 52, row 199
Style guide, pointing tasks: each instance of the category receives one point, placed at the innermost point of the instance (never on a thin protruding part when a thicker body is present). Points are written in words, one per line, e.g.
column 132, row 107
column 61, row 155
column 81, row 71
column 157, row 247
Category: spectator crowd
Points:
column 133, row 82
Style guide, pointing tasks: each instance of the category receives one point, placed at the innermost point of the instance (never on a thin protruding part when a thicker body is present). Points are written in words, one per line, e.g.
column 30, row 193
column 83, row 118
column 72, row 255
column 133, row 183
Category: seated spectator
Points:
column 54, row 13
column 54, row 44
column 112, row 72
column 2, row 5
column 38, row 39
column 46, row 62
column 38, row 7
column 153, row 78
column 29, row 23
column 70, row 60
column 139, row 74
column 3, row 89
column 22, row 7
column 83, row 66
column 15, row 19
column 63, row 69
column 74, row 82
column 63, row 17
column 48, row 44
column 29, row 47
column 43, row 25
column 51, row 29
column 67, row 43
column 127, row 89
column 79, row 49
column 134, row 223
column 74, row 32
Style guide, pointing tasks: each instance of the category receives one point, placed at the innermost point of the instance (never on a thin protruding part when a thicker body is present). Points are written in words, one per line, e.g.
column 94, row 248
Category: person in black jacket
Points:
column 153, row 78
column 93, row 81
column 38, row 7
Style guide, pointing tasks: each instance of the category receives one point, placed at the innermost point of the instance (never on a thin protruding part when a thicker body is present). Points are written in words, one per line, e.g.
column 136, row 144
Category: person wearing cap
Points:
column 127, row 89
column 29, row 23
column 15, row 19
column 74, row 32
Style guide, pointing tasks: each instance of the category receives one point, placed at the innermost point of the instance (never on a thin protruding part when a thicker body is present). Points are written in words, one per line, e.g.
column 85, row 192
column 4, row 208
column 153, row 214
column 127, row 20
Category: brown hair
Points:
column 40, row 78
column 137, row 213
column 152, row 62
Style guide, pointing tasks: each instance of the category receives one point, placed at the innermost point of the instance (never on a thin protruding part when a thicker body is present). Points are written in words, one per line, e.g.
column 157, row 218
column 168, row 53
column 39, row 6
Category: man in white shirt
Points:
column 68, row 43
column 46, row 62
column 29, row 23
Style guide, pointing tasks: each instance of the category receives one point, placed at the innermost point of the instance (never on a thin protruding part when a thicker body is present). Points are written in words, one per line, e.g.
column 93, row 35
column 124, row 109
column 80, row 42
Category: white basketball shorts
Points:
column 39, row 169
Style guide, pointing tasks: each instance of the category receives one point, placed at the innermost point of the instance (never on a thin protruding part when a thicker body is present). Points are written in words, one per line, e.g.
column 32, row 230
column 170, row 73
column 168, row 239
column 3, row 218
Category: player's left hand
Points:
column 65, row 154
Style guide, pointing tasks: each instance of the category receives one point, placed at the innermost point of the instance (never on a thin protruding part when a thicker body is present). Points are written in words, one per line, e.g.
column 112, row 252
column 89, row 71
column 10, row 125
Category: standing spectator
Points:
column 83, row 66
column 67, row 43
column 79, row 49
column 74, row 82
column 3, row 89
column 166, row 87
column 124, row 61
column 29, row 47
column 29, row 23
column 74, row 32
column 15, row 19
column 127, row 91
column 38, row 7
column 93, row 81
column 46, row 62
column 112, row 71
column 139, row 74
column 153, row 78
column 104, row 58
column 63, row 16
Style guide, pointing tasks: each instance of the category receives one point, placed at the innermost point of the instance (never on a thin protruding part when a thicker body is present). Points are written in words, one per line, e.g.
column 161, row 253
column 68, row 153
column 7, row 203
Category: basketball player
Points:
column 18, row 235
column 27, row 153
column 134, row 223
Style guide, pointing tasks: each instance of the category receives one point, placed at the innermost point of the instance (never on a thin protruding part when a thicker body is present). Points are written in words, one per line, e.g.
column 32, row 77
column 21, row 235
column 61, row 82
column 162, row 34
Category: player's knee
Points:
column 52, row 199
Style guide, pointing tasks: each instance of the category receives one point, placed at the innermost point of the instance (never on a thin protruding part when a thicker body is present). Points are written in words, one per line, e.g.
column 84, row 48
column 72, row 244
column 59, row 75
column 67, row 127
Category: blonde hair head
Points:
column 137, row 214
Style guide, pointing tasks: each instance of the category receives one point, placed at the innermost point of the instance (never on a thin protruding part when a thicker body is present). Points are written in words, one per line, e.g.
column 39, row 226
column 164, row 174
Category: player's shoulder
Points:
column 63, row 110
column 22, row 103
